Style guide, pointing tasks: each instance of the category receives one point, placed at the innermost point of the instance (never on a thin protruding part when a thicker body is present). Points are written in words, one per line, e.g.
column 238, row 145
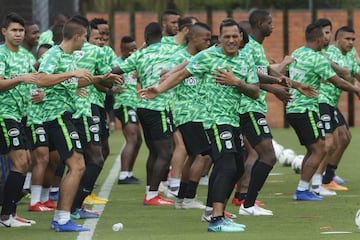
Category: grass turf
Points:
column 291, row 220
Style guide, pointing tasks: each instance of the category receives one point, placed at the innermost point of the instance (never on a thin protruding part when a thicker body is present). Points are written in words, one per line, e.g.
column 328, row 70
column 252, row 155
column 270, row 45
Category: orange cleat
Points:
column 158, row 201
column 333, row 186
column 39, row 207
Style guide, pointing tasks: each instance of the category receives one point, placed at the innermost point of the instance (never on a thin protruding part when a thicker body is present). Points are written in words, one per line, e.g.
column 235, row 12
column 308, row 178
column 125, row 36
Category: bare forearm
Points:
column 267, row 79
column 6, row 85
column 250, row 90
column 48, row 80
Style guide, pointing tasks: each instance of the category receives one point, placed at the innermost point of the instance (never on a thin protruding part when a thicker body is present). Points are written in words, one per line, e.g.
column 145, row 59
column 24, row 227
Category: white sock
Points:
column 174, row 182
column 131, row 173
column 303, row 185
column 316, row 180
column 44, row 194
column 27, row 182
column 61, row 216
column 123, row 175
column 35, row 194
column 151, row 194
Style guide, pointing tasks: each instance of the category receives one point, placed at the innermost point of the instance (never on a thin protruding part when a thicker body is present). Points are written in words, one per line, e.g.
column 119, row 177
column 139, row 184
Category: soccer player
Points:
column 170, row 22
column 47, row 37
column 337, row 134
column 302, row 112
column 189, row 117
column 154, row 116
column 15, row 71
column 60, row 77
column 125, row 110
column 214, row 67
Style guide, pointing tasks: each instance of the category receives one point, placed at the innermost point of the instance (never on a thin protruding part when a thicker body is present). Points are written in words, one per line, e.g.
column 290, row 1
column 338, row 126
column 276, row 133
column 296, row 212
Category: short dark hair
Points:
column 97, row 21
column 194, row 27
column 73, row 26
column 127, row 39
column 323, row 22
column 257, row 16
column 185, row 22
column 168, row 12
column 228, row 22
column 152, row 31
column 313, row 31
column 343, row 29
column 13, row 18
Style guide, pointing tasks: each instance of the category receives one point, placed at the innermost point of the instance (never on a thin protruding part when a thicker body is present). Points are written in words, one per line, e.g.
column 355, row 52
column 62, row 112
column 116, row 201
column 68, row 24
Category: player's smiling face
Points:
column 230, row 38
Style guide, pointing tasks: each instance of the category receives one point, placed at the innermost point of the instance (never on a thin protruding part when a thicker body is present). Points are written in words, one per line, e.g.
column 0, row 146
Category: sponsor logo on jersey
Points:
column 325, row 117
column 40, row 131
column 262, row 121
column 190, row 81
column 74, row 135
column 94, row 128
column 96, row 119
column 13, row 132
column 225, row 135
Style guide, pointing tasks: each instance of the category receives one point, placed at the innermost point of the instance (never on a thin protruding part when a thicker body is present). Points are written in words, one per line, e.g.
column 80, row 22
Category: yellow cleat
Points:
column 92, row 199
column 333, row 186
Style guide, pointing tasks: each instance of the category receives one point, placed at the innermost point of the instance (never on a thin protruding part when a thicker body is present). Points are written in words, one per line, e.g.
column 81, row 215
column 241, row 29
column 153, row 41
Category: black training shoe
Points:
column 129, row 180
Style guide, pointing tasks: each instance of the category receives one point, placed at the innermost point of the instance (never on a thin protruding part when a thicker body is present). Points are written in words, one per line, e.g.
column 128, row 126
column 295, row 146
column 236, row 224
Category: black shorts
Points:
column 195, row 138
column 36, row 136
column 89, row 132
column 126, row 115
column 254, row 126
column 225, row 139
column 63, row 136
column 157, row 125
column 308, row 127
column 12, row 136
column 99, row 117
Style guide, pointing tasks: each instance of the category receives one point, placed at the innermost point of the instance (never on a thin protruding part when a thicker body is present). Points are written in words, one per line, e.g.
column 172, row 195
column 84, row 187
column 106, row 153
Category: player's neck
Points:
column 11, row 47
column 257, row 36
column 67, row 47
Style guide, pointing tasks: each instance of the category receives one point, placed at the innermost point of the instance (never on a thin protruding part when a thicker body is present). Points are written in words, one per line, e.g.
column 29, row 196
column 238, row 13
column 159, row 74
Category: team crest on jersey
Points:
column 40, row 131
column 244, row 71
column 74, row 135
column 79, row 54
column 325, row 117
column 262, row 121
column 13, row 132
column 225, row 135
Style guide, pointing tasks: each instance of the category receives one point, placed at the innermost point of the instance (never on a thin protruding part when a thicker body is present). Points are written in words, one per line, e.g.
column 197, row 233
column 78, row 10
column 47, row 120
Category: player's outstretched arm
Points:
column 48, row 80
column 170, row 82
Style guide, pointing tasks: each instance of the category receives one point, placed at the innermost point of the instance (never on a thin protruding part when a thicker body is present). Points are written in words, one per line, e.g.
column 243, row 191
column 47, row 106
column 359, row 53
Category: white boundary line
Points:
column 104, row 193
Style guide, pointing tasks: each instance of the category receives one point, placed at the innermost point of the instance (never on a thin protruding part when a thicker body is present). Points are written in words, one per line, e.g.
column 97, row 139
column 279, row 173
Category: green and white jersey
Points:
column 14, row 64
column 256, row 50
column 329, row 93
column 46, row 38
column 188, row 103
column 98, row 97
column 309, row 68
column 148, row 63
column 60, row 97
column 128, row 97
column 33, row 110
column 222, row 102
column 174, row 47
column 91, row 58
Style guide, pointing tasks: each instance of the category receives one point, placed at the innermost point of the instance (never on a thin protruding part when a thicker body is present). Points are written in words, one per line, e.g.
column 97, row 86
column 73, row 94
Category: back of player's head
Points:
column 168, row 12
column 75, row 25
column 313, row 32
column 152, row 32
column 258, row 15
column 343, row 29
column 127, row 39
column 57, row 33
column 228, row 22
column 12, row 18
column 195, row 28
column 245, row 24
column 323, row 22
